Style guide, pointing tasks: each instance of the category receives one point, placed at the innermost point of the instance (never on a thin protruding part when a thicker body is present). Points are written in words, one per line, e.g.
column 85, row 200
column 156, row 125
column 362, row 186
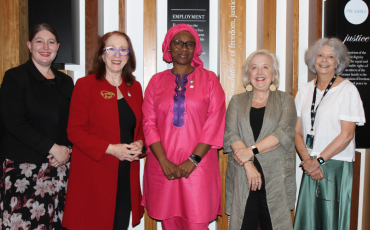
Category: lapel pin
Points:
column 128, row 93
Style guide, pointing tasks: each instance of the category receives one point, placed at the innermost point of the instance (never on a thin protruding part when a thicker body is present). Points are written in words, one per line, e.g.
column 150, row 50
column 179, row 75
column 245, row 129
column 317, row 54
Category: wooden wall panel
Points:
column 150, row 66
column 355, row 191
column 150, row 40
column 319, row 19
column 9, row 39
column 270, row 25
column 232, row 57
column 23, row 31
column 122, row 21
column 91, row 33
column 14, row 34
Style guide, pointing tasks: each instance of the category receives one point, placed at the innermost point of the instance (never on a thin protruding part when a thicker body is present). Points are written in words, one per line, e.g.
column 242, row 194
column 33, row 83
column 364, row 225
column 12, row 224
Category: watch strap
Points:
column 255, row 150
column 196, row 158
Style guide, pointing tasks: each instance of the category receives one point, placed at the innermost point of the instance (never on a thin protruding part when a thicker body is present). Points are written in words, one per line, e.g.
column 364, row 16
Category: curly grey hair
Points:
column 339, row 49
column 274, row 62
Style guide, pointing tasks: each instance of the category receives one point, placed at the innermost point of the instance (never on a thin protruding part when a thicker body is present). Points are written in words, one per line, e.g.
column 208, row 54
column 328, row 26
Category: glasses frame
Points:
column 184, row 43
column 110, row 47
column 318, row 186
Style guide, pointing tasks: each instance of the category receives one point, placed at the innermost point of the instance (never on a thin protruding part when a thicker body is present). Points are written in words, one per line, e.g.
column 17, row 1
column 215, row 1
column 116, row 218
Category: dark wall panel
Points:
column 57, row 13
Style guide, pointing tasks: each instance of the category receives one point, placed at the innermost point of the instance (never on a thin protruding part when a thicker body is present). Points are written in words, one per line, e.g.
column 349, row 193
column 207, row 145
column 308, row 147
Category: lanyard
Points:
column 313, row 111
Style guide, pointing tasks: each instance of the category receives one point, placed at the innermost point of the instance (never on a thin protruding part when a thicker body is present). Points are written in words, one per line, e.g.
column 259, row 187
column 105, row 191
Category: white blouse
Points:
column 342, row 102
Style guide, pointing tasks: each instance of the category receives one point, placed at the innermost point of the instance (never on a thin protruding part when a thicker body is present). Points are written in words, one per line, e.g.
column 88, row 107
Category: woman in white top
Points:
column 328, row 109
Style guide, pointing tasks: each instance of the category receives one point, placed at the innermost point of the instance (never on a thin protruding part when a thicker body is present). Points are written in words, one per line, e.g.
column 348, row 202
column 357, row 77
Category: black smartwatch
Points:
column 255, row 150
column 321, row 160
column 196, row 158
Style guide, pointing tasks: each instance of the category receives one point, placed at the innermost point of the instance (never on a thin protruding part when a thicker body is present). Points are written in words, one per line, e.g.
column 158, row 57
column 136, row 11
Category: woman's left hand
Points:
column 253, row 176
column 242, row 155
column 310, row 165
column 138, row 145
column 186, row 168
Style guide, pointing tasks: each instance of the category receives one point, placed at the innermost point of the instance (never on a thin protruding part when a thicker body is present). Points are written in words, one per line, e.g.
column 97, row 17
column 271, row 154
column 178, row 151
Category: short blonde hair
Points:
column 339, row 49
column 274, row 62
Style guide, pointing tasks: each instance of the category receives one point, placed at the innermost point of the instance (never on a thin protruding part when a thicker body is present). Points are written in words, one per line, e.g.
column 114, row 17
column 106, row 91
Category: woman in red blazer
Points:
column 105, row 128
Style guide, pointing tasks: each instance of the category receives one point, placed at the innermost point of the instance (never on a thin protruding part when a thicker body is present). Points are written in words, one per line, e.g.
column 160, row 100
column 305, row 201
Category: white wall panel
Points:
column 251, row 27
column 134, row 19
column 281, row 45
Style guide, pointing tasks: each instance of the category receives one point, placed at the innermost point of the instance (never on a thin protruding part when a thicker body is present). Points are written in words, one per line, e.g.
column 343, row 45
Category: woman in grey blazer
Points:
column 259, row 135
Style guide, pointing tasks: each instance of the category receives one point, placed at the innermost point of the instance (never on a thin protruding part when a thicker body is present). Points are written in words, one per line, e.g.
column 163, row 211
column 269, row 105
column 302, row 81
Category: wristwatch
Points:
column 255, row 150
column 321, row 160
column 196, row 158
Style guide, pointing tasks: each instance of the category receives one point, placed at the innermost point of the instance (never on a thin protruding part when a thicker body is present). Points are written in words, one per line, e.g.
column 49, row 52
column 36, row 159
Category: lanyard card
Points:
column 309, row 141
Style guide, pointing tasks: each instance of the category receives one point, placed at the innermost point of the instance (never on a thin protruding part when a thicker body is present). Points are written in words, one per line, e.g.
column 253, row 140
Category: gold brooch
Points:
column 107, row 94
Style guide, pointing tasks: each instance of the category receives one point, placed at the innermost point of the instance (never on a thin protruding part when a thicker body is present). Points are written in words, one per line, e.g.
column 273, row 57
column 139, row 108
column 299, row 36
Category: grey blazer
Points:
column 278, row 165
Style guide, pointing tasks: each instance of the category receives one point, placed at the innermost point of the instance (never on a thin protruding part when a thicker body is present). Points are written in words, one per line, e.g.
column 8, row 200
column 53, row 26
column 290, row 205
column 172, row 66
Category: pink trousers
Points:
column 179, row 223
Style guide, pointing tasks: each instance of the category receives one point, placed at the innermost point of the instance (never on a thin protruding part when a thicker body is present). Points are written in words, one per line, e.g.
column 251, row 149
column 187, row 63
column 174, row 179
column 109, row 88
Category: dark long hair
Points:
column 42, row 26
column 127, row 70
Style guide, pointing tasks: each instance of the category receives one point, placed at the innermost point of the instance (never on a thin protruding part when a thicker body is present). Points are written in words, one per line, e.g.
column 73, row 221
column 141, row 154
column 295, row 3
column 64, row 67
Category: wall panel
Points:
column 270, row 25
column 91, row 33
column 232, row 56
column 14, row 34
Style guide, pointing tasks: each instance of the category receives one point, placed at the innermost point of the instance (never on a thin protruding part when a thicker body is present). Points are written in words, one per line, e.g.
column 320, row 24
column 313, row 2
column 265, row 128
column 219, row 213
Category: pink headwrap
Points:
column 196, row 61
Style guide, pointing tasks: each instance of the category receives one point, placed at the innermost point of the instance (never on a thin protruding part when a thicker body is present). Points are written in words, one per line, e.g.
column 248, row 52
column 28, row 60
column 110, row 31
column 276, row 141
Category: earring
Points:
column 249, row 87
column 272, row 87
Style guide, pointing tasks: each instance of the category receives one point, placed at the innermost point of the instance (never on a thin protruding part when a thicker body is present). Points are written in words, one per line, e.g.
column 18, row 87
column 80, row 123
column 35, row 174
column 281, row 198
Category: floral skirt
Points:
column 32, row 196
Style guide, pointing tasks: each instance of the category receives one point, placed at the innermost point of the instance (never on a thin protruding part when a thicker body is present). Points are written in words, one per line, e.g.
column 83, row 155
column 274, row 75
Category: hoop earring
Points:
column 272, row 87
column 249, row 87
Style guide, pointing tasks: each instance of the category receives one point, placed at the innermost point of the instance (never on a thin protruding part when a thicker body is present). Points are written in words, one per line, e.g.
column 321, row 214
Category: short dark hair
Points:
column 42, row 26
column 99, row 63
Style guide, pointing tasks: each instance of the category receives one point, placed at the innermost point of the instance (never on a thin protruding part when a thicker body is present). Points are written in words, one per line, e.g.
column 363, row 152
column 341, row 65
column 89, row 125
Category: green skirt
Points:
column 326, row 204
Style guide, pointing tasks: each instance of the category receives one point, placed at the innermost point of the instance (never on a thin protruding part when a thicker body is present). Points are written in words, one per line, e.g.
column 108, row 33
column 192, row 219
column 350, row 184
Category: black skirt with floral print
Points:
column 32, row 196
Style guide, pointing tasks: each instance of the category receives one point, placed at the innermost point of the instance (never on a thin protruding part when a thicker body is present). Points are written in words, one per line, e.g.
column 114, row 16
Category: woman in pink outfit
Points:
column 183, row 122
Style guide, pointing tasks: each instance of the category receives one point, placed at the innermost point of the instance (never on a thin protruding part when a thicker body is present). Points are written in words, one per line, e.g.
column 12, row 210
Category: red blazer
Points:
column 93, row 125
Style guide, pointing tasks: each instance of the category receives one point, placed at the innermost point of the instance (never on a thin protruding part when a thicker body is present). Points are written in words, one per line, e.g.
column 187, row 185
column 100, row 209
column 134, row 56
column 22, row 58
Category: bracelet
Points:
column 191, row 159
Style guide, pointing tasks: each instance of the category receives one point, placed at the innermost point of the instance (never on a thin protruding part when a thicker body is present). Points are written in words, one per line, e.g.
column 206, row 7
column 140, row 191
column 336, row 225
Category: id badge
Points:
column 309, row 141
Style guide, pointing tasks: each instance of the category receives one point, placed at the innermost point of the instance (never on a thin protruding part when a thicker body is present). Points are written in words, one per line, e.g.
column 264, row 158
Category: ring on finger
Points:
column 172, row 178
column 257, row 182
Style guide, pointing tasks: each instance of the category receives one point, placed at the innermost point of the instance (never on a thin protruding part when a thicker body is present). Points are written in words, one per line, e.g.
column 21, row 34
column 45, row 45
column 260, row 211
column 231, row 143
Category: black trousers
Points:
column 123, row 200
column 256, row 208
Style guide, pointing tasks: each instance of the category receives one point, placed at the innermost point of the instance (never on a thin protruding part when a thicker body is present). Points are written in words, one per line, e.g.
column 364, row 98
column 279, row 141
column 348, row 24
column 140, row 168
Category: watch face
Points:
column 321, row 161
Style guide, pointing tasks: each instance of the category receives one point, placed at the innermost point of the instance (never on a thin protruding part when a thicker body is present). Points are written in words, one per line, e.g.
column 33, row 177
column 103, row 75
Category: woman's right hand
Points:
column 170, row 169
column 317, row 174
column 123, row 152
column 60, row 153
column 253, row 176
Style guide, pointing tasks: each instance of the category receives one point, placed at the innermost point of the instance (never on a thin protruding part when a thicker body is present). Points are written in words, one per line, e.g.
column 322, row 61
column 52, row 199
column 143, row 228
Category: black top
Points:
column 34, row 112
column 256, row 120
column 127, row 121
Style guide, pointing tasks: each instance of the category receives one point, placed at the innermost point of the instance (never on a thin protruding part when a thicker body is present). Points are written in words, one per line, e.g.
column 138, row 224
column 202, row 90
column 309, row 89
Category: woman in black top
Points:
column 35, row 100
column 259, row 134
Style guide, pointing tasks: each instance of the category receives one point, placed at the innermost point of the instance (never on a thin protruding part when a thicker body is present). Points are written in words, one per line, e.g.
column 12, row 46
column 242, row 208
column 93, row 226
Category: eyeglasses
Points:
column 326, row 188
column 113, row 51
column 179, row 44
